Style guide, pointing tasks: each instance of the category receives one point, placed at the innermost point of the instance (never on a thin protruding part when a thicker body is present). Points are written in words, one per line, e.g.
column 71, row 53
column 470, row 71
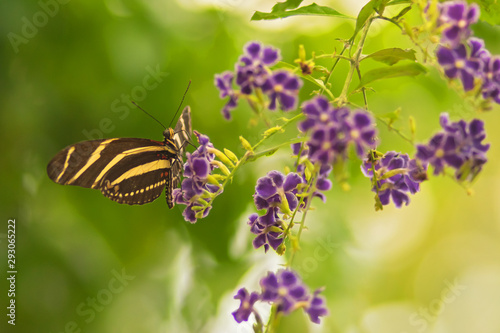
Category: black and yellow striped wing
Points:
column 126, row 170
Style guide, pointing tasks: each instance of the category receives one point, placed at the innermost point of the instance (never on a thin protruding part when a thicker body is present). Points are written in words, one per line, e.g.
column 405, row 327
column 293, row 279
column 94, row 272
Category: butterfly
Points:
column 126, row 170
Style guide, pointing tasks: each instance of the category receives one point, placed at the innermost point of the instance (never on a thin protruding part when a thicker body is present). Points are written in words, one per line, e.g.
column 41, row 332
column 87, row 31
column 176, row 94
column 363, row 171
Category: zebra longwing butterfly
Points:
column 126, row 170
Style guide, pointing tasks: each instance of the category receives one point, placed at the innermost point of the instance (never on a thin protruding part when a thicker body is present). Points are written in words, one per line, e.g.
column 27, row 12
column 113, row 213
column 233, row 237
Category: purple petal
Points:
column 265, row 187
column 323, row 184
column 287, row 278
column 361, row 119
column 270, row 56
column 445, row 56
column 260, row 202
column 291, row 181
column 456, row 11
column 288, row 102
column 292, row 200
column 201, row 167
column 277, row 177
column 259, row 241
column 399, row 197
column 294, row 83
column 253, row 49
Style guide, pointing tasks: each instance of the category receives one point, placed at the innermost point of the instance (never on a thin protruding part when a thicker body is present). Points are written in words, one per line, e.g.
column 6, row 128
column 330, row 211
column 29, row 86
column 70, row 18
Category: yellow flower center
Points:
column 326, row 145
column 462, row 23
column 323, row 117
column 439, row 153
column 282, row 291
column 355, row 134
column 278, row 88
column 459, row 64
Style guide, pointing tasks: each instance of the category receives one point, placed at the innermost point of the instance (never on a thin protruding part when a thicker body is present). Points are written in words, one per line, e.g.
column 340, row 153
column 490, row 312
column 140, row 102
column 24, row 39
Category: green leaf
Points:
column 390, row 72
column 490, row 11
column 398, row 2
column 312, row 9
column 364, row 15
column 402, row 13
column 392, row 56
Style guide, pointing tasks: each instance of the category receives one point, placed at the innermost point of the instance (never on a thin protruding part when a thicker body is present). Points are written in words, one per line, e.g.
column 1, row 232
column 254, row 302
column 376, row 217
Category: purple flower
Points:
column 334, row 129
column 257, row 55
column 268, row 230
column 246, row 306
column 456, row 17
column 326, row 143
column 282, row 86
column 459, row 145
column 491, row 78
column 285, row 289
column 440, row 151
column 317, row 111
column 251, row 72
column 316, row 307
column 276, row 193
column 224, row 82
column 195, row 184
column 457, row 63
column 276, row 190
column 397, row 175
column 362, row 132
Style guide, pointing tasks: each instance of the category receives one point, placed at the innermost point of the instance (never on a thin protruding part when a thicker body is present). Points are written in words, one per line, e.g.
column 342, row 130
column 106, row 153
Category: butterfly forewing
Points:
column 126, row 170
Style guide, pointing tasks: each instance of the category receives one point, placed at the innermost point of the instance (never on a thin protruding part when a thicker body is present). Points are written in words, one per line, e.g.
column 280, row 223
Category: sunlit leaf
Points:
column 413, row 69
column 490, row 11
column 398, row 2
column 392, row 56
column 312, row 9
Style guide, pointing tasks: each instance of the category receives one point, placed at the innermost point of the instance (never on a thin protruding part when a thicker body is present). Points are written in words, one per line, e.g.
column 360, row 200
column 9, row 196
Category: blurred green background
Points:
column 87, row 264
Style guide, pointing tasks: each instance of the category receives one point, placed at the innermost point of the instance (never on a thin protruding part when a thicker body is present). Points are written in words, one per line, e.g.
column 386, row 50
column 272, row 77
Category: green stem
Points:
column 254, row 156
column 287, row 122
column 398, row 132
column 310, row 191
column 327, row 78
column 337, row 57
column 354, row 64
column 250, row 156
column 273, row 322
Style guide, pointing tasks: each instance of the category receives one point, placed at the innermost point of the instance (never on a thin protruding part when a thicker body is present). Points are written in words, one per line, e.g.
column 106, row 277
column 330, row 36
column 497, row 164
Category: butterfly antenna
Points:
column 159, row 122
column 182, row 101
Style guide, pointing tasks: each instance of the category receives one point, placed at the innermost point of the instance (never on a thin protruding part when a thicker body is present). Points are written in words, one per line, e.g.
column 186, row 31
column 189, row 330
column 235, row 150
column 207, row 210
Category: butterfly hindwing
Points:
column 138, row 178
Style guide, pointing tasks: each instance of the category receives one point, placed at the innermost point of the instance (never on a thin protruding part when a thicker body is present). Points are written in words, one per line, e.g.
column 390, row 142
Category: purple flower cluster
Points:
column 460, row 146
column 287, row 292
column 276, row 193
column 195, row 185
column 455, row 18
column 334, row 129
column 465, row 57
column 253, row 73
column 396, row 176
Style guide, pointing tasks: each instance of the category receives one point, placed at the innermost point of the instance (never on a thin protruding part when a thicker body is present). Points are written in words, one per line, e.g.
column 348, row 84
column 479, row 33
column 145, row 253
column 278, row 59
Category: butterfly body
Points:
column 126, row 170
